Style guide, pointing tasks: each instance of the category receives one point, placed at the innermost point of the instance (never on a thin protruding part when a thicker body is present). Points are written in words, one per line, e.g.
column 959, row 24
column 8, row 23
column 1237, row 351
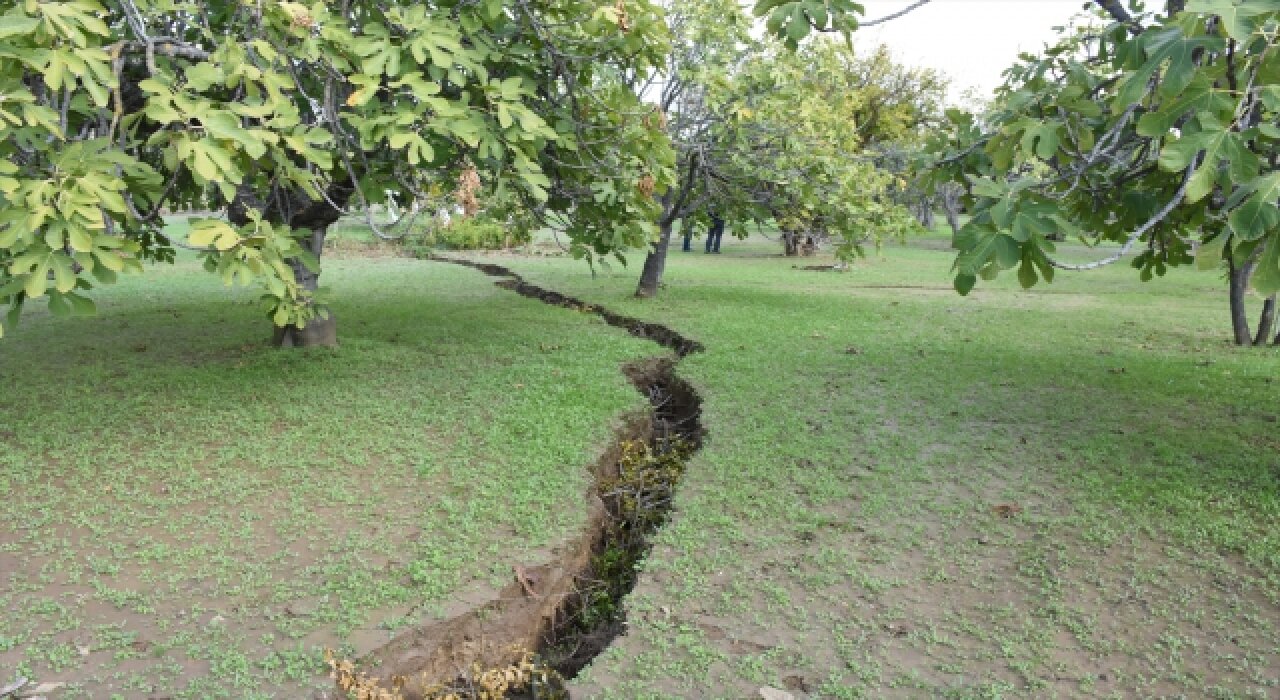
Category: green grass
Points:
column 202, row 513
column 189, row 513
column 839, row 533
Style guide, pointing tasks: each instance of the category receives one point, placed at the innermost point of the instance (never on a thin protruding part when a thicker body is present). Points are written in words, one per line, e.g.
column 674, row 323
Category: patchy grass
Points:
column 1068, row 492
column 1072, row 491
column 191, row 514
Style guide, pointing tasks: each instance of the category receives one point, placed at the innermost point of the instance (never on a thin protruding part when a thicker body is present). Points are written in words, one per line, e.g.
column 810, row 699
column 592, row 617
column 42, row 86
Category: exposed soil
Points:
column 658, row 333
column 569, row 610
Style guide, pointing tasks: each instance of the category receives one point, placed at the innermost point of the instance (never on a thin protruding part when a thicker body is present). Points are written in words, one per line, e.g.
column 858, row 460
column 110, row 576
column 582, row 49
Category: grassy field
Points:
column 1069, row 492
column 190, row 514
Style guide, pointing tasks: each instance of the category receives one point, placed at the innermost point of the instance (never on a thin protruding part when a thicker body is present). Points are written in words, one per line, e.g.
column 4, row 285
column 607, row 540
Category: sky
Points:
column 971, row 41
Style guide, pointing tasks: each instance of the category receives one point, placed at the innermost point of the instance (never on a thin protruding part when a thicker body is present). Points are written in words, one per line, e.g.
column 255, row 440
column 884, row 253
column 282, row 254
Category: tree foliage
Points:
column 762, row 134
column 281, row 114
column 1154, row 130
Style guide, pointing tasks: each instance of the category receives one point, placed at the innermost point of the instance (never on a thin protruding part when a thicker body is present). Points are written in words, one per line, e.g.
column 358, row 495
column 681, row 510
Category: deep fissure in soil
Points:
column 637, row 494
column 568, row 611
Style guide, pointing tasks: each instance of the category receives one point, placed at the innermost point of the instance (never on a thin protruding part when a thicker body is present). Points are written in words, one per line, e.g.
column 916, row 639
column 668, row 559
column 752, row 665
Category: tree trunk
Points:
column 949, row 198
column 654, row 264
column 318, row 331
column 1266, row 321
column 296, row 209
column 924, row 212
column 790, row 244
column 1239, row 277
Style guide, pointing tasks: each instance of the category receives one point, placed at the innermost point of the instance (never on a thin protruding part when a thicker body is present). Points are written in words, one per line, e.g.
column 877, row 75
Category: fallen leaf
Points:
column 796, row 683
column 898, row 629
column 1007, row 510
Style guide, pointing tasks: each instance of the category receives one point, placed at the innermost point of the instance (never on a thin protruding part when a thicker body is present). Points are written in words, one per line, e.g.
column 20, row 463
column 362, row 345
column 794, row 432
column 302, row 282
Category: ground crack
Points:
column 656, row 332
column 569, row 610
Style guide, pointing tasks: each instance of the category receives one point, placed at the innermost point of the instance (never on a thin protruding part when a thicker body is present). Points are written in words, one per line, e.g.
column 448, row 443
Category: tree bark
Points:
column 1239, row 278
column 1266, row 322
column 318, row 331
column 1116, row 10
column 949, row 198
column 299, row 211
column 790, row 244
column 925, row 214
column 654, row 264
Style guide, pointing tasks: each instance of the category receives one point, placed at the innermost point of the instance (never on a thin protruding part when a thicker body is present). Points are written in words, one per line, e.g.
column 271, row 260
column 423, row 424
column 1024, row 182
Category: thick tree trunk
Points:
column 318, row 331
column 298, row 210
column 1266, row 322
column 654, row 264
column 1239, row 277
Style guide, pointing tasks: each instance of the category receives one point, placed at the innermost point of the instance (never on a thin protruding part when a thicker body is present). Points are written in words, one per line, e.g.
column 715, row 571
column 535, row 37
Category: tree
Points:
column 696, row 108
column 763, row 135
column 281, row 114
column 1155, row 131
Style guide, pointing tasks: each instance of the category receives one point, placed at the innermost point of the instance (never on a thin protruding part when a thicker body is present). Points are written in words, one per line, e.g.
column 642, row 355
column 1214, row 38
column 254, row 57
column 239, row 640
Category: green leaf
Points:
column 1239, row 19
column 1218, row 144
column 202, row 76
column 64, row 275
column 81, row 306
column 81, row 239
column 1027, row 274
column 1258, row 216
column 206, row 233
column 1266, row 276
column 964, row 283
column 1200, row 96
column 108, row 261
column 1169, row 49
column 1007, row 253
column 14, row 24
column 58, row 305
column 37, row 280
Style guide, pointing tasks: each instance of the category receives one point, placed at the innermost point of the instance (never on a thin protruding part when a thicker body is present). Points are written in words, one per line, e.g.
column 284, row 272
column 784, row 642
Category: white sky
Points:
column 971, row 41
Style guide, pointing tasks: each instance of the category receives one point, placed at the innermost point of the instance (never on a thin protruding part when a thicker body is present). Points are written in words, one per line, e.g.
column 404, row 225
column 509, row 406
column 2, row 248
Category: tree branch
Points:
column 1119, row 14
column 895, row 15
column 1133, row 237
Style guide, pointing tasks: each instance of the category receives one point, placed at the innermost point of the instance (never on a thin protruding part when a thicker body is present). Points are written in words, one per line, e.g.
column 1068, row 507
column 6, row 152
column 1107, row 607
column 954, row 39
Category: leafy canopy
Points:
column 1158, row 132
column 762, row 133
column 282, row 113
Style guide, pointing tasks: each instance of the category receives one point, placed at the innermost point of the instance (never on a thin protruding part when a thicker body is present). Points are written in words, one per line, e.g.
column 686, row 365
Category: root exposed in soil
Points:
column 569, row 610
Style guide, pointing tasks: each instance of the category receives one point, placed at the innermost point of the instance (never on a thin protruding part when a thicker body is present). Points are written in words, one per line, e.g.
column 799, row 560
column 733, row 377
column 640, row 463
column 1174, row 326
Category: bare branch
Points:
column 895, row 15
column 1137, row 233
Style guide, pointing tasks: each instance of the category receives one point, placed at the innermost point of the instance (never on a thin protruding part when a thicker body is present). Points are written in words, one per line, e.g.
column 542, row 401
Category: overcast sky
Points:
column 971, row 41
